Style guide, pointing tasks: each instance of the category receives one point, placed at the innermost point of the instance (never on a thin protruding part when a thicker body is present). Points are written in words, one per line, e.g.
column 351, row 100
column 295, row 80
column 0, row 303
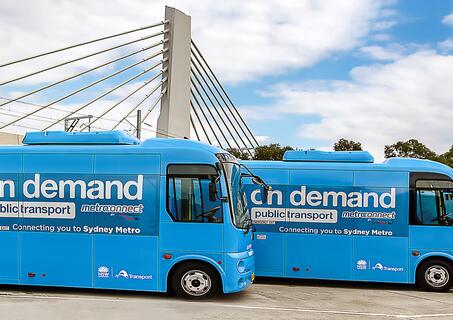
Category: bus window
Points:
column 448, row 203
column 427, row 207
column 189, row 197
column 434, row 202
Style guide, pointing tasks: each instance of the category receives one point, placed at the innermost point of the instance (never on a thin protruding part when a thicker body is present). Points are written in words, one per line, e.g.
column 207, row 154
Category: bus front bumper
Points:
column 240, row 268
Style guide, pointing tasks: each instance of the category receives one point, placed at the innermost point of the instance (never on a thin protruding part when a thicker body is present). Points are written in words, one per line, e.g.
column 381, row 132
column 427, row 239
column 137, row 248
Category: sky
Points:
column 303, row 73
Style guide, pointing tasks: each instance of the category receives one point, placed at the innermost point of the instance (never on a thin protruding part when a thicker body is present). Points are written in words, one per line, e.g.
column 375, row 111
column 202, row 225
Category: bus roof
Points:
column 112, row 141
column 341, row 163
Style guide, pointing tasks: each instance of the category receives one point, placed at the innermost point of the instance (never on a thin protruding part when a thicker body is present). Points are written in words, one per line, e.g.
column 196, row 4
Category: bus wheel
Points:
column 435, row 275
column 195, row 281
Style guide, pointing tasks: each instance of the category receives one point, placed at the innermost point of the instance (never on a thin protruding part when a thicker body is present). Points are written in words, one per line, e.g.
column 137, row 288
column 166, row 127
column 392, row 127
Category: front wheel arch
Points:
column 444, row 265
column 181, row 263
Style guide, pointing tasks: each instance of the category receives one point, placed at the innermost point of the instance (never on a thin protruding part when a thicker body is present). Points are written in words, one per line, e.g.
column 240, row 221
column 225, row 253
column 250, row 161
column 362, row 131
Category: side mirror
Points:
column 258, row 181
column 212, row 191
column 266, row 188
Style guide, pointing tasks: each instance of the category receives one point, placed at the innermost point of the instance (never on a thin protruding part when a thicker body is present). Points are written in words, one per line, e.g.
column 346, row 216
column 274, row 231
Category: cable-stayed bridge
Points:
column 150, row 81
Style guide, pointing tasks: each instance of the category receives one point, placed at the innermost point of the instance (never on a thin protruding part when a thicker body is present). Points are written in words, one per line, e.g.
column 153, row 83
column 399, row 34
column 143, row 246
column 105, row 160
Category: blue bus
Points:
column 104, row 210
column 340, row 216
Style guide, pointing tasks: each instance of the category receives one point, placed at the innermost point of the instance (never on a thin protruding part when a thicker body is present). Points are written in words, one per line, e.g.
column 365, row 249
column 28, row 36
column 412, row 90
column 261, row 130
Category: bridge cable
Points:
column 221, row 108
column 206, row 118
column 81, row 73
column 87, row 56
column 84, row 43
column 164, row 91
column 81, row 89
column 214, row 106
column 210, row 113
column 194, row 128
column 124, row 99
column 225, row 93
column 143, row 100
column 201, row 124
column 109, row 91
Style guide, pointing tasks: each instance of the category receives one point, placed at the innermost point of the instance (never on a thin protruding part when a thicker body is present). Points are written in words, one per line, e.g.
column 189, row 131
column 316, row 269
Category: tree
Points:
column 272, row 151
column 240, row 154
column 347, row 145
column 414, row 149
column 410, row 149
column 447, row 157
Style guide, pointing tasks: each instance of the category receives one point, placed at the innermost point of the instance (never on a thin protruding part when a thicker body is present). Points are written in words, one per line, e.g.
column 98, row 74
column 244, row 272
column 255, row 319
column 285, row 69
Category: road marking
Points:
column 236, row 306
column 339, row 312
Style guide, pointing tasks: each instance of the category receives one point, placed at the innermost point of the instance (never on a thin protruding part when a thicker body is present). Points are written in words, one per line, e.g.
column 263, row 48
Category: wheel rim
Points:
column 196, row 282
column 437, row 276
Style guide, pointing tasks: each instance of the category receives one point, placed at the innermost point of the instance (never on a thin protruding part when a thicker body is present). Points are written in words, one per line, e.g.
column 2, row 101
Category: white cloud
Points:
column 263, row 139
column 446, row 45
column 243, row 40
column 392, row 52
column 381, row 37
column 448, row 20
column 381, row 104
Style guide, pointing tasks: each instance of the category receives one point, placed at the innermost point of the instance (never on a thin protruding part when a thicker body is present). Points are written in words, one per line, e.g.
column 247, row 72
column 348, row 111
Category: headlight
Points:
column 241, row 266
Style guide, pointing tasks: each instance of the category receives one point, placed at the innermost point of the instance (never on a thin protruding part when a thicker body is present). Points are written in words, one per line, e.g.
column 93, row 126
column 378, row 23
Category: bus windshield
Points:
column 238, row 202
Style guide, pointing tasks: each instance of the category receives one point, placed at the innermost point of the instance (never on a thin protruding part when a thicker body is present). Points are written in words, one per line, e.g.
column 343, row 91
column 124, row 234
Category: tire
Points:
column 195, row 281
column 435, row 275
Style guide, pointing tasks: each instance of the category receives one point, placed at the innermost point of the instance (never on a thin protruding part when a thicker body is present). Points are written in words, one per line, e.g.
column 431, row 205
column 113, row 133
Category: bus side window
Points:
column 188, row 198
column 448, row 203
column 184, row 199
column 434, row 202
column 427, row 209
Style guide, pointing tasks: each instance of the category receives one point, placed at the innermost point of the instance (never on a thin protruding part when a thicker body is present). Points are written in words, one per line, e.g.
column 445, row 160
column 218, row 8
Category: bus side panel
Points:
column 127, row 258
column 9, row 257
column 319, row 256
column 126, row 262
column 10, row 166
column 269, row 243
column 429, row 241
column 56, row 259
column 318, row 248
column 54, row 249
column 386, row 259
column 381, row 247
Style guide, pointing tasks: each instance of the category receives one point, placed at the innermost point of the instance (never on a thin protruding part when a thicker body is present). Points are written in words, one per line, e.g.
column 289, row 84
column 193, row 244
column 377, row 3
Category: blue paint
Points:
column 90, row 210
column 344, row 219
column 328, row 156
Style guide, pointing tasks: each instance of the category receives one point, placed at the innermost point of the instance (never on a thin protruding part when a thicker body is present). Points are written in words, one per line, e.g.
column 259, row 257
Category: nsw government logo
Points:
column 103, row 272
column 361, row 265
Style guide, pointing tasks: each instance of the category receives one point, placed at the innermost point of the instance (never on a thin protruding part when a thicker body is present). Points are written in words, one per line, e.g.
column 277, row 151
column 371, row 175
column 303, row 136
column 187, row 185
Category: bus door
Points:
column 9, row 217
column 194, row 215
column 431, row 220
column 269, row 218
column 381, row 226
column 317, row 246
